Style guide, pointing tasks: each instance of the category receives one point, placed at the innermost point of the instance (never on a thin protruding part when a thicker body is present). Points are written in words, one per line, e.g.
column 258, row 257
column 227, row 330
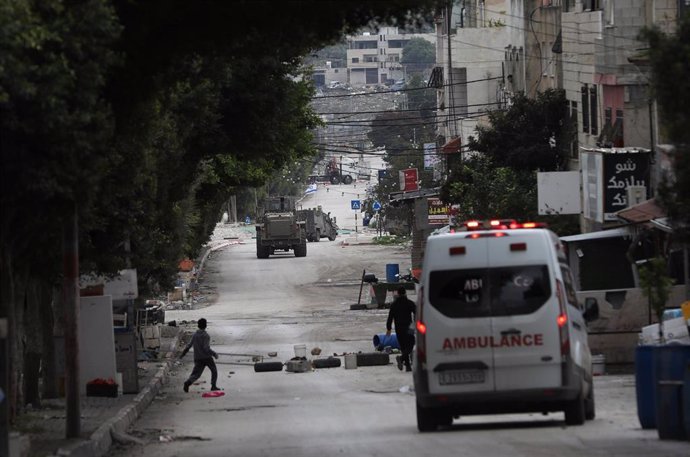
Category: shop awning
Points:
column 642, row 212
column 452, row 146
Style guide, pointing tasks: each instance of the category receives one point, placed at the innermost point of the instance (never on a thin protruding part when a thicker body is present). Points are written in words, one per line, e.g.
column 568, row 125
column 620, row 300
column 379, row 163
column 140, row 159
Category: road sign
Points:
column 377, row 206
column 355, row 204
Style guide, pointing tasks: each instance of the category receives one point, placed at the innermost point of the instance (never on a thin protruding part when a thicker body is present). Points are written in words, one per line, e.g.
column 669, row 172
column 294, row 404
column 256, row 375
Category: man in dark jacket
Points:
column 402, row 312
column 203, row 356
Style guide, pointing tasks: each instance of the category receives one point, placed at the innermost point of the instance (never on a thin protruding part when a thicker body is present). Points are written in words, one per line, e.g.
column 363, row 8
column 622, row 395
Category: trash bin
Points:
column 645, row 382
column 670, row 361
column 686, row 400
column 392, row 271
column 381, row 341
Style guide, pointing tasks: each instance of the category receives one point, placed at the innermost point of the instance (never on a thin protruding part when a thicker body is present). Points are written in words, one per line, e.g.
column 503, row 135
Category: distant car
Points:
column 398, row 85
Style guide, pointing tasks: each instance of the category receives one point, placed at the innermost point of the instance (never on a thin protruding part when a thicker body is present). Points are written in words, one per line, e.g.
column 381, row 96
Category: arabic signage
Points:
column 431, row 158
column 620, row 172
column 408, row 179
column 438, row 212
column 606, row 177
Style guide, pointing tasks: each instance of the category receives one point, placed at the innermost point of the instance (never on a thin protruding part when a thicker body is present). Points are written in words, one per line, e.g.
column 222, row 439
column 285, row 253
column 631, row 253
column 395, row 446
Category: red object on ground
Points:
column 212, row 394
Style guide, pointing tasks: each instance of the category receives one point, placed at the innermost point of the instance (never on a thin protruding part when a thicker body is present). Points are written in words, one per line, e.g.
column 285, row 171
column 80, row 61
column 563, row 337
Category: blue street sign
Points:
column 355, row 204
column 377, row 206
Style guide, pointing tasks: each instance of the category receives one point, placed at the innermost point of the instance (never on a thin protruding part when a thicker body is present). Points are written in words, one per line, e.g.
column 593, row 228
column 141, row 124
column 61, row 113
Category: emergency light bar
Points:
column 502, row 224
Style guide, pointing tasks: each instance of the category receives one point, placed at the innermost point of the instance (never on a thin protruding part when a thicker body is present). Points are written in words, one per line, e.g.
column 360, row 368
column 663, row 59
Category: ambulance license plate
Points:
column 446, row 378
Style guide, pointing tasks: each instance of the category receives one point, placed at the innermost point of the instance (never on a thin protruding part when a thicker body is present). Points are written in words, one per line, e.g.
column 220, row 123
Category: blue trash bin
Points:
column 392, row 270
column 671, row 361
column 381, row 341
column 645, row 386
column 686, row 400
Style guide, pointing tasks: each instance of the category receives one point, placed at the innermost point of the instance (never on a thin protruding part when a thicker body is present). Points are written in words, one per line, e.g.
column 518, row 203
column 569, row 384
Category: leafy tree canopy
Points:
column 418, row 54
column 669, row 57
column 498, row 176
column 531, row 135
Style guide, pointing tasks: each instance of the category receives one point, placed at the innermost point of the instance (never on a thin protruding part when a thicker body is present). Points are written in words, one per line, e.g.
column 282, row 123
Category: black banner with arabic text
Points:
column 620, row 172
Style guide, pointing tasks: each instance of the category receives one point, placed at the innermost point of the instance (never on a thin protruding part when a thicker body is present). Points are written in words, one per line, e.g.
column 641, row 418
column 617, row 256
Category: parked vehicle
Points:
column 318, row 224
column 280, row 229
column 336, row 172
column 499, row 327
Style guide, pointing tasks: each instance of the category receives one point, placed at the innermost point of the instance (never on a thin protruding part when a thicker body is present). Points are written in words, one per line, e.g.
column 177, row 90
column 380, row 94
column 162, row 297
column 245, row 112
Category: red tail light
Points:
column 518, row 246
column 457, row 250
column 421, row 329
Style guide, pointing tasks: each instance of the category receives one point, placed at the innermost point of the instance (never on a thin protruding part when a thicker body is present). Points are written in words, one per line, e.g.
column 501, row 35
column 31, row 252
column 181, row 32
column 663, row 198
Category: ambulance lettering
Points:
column 474, row 342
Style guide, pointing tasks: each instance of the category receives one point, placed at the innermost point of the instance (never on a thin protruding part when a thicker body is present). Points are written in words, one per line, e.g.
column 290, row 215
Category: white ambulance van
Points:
column 499, row 328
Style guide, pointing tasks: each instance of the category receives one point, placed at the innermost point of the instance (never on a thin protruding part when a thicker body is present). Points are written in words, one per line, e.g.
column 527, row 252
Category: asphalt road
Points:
column 273, row 304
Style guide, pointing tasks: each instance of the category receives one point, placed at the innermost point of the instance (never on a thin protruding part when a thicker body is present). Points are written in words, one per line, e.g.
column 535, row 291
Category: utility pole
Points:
column 70, row 296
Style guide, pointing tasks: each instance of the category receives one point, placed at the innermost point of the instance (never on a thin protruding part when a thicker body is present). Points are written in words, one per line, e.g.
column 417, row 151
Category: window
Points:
column 618, row 138
column 585, row 109
column 568, row 282
column 505, row 291
column 593, row 117
column 518, row 290
column 355, row 60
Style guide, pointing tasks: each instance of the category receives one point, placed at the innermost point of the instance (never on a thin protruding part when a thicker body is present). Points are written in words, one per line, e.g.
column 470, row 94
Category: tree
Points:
column 145, row 116
column 418, row 55
column 531, row 135
column 498, row 176
column 669, row 59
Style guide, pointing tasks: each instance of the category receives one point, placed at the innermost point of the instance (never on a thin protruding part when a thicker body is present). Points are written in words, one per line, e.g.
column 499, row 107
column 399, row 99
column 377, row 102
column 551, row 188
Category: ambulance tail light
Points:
column 562, row 321
column 421, row 330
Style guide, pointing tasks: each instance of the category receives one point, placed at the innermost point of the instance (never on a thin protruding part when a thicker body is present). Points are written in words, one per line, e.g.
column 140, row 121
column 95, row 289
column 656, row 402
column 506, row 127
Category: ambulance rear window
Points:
column 485, row 292
column 459, row 293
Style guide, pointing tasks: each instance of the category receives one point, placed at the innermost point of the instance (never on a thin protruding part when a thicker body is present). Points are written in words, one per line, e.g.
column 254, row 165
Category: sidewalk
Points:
column 45, row 427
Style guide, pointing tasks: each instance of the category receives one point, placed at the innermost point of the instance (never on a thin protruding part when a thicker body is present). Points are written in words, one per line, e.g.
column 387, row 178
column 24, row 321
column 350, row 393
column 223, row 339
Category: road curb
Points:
column 101, row 440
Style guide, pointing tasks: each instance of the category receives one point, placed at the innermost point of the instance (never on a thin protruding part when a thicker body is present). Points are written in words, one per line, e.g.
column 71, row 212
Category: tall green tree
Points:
column 145, row 116
column 498, row 175
column 669, row 59
column 418, row 55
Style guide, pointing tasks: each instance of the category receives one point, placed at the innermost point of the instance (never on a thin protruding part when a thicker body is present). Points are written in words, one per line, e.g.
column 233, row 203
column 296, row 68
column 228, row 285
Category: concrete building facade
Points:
column 375, row 58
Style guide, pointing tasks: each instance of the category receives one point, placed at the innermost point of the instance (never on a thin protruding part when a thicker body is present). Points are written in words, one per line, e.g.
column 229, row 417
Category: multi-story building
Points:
column 376, row 58
column 471, row 42
column 606, row 78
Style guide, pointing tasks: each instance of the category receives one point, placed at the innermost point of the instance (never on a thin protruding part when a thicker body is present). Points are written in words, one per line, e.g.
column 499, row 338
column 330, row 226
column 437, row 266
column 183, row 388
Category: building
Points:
column 376, row 58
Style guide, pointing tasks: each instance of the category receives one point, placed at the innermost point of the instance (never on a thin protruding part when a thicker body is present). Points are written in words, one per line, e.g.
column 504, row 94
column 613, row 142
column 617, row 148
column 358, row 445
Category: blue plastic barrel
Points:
column 645, row 386
column 381, row 341
column 392, row 270
column 686, row 400
column 671, row 361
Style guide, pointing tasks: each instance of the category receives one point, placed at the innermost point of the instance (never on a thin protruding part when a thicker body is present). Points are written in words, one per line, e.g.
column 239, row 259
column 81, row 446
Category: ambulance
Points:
column 499, row 328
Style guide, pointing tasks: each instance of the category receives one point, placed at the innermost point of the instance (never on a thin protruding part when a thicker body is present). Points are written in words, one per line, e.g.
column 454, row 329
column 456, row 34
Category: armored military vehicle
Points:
column 318, row 224
column 279, row 229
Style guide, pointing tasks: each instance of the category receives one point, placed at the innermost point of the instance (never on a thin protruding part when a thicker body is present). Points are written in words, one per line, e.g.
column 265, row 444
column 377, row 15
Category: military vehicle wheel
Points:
column 335, row 180
column 331, row 237
column 301, row 250
column 347, row 179
column 261, row 251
